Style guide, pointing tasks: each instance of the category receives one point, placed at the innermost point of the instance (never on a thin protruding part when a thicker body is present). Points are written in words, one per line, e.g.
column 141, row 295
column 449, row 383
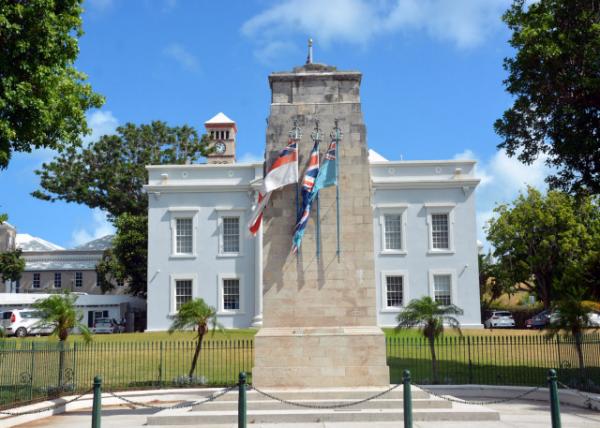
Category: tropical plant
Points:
column 430, row 317
column 572, row 315
column 58, row 312
column 197, row 315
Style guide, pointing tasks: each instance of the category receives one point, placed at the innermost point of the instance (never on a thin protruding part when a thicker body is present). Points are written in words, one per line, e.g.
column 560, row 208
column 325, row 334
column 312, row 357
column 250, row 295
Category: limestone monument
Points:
column 319, row 321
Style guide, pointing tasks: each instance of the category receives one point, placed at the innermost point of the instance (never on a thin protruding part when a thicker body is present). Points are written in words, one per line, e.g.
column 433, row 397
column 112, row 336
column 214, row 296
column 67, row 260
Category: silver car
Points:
column 499, row 319
column 23, row 322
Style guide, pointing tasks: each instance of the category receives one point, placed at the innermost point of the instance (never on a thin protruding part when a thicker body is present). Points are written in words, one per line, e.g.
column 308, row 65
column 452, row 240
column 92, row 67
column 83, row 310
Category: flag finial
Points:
column 309, row 57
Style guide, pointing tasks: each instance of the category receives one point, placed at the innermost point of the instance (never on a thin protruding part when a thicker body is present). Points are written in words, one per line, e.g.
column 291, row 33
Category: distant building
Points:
column 50, row 268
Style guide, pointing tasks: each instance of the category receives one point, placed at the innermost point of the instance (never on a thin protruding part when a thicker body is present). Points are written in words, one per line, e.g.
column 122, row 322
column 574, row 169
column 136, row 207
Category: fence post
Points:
column 470, row 361
column 242, row 401
column 32, row 371
column 408, row 419
column 97, row 403
column 160, row 366
column 554, row 403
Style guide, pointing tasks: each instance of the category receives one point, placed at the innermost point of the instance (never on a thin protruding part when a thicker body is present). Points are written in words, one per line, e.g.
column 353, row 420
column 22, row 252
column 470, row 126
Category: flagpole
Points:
column 316, row 137
column 337, row 136
column 318, row 228
column 295, row 134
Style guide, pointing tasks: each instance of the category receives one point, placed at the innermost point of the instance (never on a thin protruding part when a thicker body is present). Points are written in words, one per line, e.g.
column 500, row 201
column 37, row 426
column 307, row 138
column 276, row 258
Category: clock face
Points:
column 220, row 148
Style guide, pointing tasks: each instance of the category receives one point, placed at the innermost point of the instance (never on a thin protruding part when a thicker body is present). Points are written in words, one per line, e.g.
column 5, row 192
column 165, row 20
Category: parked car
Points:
column 540, row 320
column 499, row 319
column 106, row 326
column 594, row 318
column 23, row 322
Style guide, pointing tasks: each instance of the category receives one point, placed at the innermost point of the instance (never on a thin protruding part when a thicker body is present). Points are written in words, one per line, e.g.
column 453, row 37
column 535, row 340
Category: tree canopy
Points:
column 554, row 78
column 547, row 242
column 43, row 98
column 12, row 265
column 110, row 174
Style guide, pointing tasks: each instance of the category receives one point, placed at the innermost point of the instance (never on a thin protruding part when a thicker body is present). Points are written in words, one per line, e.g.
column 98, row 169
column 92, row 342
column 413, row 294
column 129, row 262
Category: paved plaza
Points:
column 518, row 414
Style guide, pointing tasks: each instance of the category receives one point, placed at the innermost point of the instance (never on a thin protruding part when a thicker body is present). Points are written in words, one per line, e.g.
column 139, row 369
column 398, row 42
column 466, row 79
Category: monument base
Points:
column 320, row 357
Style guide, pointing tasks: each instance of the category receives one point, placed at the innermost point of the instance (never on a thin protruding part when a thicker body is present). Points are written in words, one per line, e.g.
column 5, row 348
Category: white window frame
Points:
column 230, row 212
column 221, row 306
column 173, row 278
column 453, row 283
column 180, row 213
column 446, row 208
column 387, row 209
column 405, row 290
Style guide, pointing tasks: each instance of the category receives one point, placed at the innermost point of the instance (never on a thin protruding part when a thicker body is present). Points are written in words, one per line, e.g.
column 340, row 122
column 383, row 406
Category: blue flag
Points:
column 308, row 184
column 328, row 172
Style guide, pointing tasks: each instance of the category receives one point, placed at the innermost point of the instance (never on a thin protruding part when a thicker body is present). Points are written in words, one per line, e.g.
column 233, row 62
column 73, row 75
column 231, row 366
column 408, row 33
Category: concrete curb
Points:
column 482, row 392
column 165, row 396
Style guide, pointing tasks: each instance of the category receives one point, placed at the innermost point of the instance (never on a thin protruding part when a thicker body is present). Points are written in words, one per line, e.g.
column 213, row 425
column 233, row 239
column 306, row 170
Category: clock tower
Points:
column 222, row 132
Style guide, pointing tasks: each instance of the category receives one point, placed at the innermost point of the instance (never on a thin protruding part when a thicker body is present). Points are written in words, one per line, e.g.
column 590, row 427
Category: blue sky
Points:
column 431, row 89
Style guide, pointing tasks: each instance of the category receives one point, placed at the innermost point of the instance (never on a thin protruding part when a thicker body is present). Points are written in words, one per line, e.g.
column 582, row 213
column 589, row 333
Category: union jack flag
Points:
column 308, row 184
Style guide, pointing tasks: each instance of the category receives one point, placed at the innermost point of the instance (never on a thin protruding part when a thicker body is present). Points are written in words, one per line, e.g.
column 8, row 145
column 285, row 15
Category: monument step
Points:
column 458, row 412
column 269, row 404
column 320, row 394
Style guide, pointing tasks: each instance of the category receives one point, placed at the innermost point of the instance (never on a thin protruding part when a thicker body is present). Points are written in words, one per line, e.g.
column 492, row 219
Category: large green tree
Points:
column 554, row 78
column 12, row 265
column 43, row 98
column 541, row 241
column 110, row 174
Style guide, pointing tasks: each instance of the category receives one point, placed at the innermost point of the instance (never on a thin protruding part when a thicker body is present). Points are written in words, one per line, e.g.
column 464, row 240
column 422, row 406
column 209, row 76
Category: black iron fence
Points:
column 32, row 371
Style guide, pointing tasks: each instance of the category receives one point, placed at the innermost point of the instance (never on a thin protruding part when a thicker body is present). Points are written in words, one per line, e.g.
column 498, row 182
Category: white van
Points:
column 23, row 322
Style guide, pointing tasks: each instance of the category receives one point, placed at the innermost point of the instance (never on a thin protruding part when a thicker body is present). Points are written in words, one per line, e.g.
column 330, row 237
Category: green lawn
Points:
column 29, row 368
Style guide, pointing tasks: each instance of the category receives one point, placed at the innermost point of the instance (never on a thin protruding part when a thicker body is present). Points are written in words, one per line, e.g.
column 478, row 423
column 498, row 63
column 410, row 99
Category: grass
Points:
column 29, row 367
column 239, row 334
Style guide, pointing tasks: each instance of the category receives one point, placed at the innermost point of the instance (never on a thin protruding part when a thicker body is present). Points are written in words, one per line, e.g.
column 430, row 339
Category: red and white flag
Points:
column 282, row 172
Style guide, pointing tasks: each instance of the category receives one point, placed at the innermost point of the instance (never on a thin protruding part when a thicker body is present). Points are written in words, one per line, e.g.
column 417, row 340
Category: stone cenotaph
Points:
column 319, row 318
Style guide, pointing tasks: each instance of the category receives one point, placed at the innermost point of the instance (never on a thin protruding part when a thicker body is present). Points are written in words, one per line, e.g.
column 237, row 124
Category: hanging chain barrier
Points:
column 588, row 398
column 477, row 402
column 182, row 405
column 50, row 407
column 317, row 406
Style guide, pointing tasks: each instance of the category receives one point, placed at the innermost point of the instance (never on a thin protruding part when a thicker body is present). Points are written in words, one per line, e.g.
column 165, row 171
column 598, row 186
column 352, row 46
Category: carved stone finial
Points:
column 309, row 57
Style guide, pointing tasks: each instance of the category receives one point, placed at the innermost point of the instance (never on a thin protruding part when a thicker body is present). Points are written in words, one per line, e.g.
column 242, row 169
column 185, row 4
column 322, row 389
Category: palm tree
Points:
column 430, row 316
column 572, row 314
column 59, row 313
column 197, row 315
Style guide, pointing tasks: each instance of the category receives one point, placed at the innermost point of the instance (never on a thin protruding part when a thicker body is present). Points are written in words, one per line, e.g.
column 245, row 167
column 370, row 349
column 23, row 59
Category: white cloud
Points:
column 101, row 123
column 463, row 23
column 250, row 158
column 270, row 51
column 180, row 54
column 502, row 178
column 98, row 228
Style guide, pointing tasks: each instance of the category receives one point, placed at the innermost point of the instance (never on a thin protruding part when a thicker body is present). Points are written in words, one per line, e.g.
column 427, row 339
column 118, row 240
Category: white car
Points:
column 497, row 319
column 593, row 318
column 23, row 322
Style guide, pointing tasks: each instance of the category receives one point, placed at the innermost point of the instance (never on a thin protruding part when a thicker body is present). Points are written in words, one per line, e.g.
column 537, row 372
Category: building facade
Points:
column 424, row 227
column 50, row 268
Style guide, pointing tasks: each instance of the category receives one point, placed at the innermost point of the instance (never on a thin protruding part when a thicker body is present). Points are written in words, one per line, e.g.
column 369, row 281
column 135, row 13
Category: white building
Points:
column 199, row 246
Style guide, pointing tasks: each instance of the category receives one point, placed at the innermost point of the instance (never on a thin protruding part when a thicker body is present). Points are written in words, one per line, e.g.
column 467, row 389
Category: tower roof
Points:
column 219, row 119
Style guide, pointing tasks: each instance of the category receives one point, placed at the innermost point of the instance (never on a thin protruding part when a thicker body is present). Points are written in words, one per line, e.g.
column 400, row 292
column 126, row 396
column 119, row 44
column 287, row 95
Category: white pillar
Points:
column 258, row 278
